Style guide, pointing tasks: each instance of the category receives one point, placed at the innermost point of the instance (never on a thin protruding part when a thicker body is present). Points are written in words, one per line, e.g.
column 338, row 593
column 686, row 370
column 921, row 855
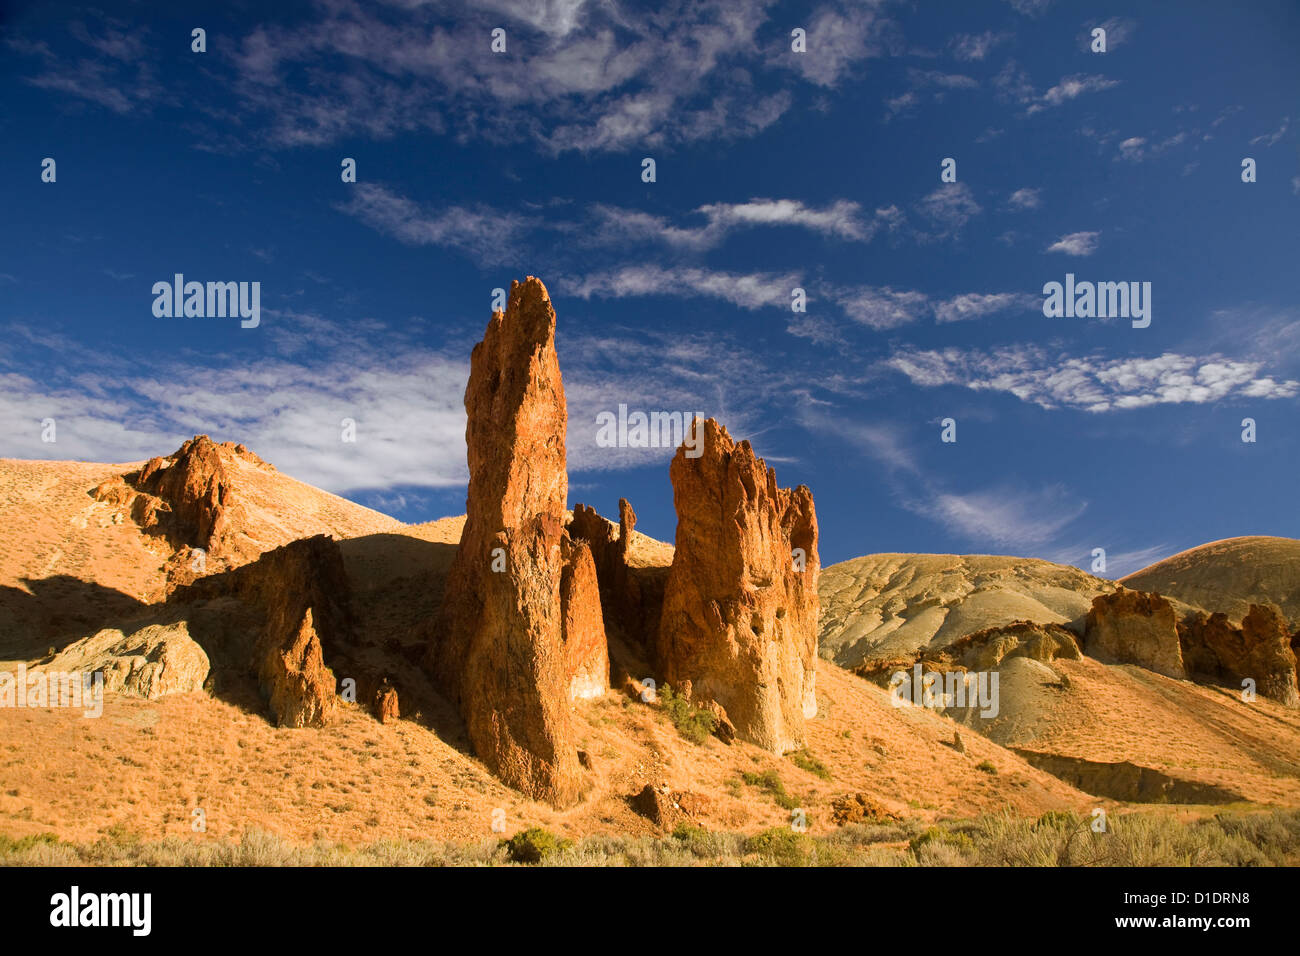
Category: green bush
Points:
column 782, row 846
column 933, row 836
column 1057, row 820
column 693, row 723
column 10, row 844
column 534, row 844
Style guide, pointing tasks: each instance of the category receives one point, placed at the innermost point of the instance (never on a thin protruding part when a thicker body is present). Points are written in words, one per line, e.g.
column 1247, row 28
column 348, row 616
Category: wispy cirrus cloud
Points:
column 1092, row 383
column 841, row 219
column 747, row 290
column 1270, row 139
column 1002, row 516
column 1119, row 30
column 976, row 46
column 839, row 36
column 1014, row 85
column 486, row 234
column 949, row 208
column 882, row 307
column 933, row 85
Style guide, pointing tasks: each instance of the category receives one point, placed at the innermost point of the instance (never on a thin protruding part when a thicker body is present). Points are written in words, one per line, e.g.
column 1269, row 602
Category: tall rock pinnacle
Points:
column 500, row 648
column 740, row 607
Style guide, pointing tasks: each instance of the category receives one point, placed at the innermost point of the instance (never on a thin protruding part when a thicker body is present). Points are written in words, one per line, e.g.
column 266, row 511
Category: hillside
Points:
column 69, row 561
column 70, row 564
column 886, row 605
column 1229, row 576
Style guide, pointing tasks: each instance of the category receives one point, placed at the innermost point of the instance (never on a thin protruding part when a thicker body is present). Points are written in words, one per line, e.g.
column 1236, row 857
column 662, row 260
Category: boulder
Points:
column 740, row 605
column 665, row 808
column 859, row 808
column 147, row 660
column 385, row 706
column 1135, row 627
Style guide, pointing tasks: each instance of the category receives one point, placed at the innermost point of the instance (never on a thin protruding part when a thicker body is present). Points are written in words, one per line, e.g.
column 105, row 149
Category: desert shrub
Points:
column 923, row 844
column 782, row 846
column 1057, row 820
column 534, row 844
column 10, row 844
column 770, row 781
column 806, row 761
column 986, row 766
column 693, row 723
column 701, row 842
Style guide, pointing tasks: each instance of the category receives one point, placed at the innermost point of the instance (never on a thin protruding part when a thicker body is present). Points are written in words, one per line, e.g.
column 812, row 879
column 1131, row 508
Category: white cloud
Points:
column 1025, row 199
column 1077, row 244
column 1013, row 84
column 1072, row 87
column 1030, row 8
column 1269, row 139
column 883, row 307
column 949, row 208
column 838, row 40
column 841, row 219
column 746, row 290
column 486, row 234
column 1131, row 148
column 976, row 46
column 932, row 83
column 1092, row 383
column 1014, row 518
column 975, row 305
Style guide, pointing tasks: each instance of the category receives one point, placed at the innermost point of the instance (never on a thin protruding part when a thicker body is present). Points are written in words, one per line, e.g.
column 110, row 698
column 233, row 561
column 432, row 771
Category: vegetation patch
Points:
column 693, row 723
column 770, row 781
column 806, row 761
column 534, row 845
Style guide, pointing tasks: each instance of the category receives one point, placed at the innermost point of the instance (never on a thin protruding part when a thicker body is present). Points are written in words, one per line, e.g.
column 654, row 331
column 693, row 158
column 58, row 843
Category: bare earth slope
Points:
column 1229, row 576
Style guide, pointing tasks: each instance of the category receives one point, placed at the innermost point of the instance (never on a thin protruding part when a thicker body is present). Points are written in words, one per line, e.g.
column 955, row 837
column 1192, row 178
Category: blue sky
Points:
column 774, row 170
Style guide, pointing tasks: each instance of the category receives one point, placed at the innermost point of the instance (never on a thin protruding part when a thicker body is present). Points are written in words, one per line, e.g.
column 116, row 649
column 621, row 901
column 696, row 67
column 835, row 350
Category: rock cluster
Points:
column 1134, row 627
column 189, row 499
column 740, row 606
column 1260, row 649
column 300, row 593
column 982, row 650
column 632, row 596
column 522, row 628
